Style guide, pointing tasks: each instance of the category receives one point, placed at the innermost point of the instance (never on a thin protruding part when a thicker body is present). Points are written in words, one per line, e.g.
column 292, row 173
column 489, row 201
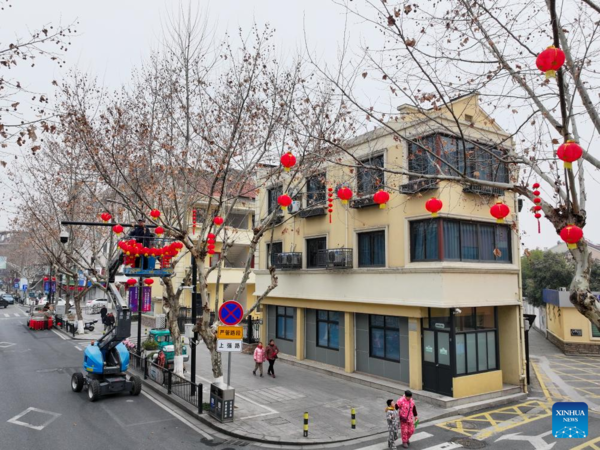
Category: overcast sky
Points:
column 114, row 36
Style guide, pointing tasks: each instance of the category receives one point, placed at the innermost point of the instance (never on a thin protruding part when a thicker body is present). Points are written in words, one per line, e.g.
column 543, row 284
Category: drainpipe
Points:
column 523, row 376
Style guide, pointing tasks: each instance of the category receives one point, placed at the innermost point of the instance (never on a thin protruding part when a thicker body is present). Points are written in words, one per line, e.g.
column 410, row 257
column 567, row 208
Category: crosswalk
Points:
column 420, row 436
column 11, row 315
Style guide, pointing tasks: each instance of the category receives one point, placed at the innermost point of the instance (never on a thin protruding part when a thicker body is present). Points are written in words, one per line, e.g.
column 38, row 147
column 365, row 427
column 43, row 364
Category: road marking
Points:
column 537, row 441
column 78, row 348
column 6, row 315
column 179, row 417
column 415, row 438
column 16, row 315
column 445, row 446
column 60, row 335
column 6, row 344
column 588, row 444
column 15, row 420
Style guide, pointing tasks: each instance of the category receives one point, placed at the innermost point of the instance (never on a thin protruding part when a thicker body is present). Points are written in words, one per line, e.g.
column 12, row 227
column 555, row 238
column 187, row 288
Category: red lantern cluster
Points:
column 344, row 194
column 159, row 231
column 537, row 208
column 284, row 201
column 288, row 161
column 434, row 205
column 118, row 229
column 105, row 217
column 330, row 202
column 210, row 243
column 218, row 221
column 194, row 221
column 500, row 210
column 381, row 197
column 569, row 152
column 550, row 60
column 155, row 213
column 131, row 282
column 571, row 234
column 133, row 249
column 148, row 281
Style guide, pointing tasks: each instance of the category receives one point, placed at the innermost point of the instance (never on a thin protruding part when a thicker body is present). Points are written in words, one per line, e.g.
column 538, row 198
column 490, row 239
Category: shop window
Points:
column 384, row 337
column 285, row 323
column 371, row 249
column 595, row 331
column 459, row 240
column 476, row 340
column 328, row 329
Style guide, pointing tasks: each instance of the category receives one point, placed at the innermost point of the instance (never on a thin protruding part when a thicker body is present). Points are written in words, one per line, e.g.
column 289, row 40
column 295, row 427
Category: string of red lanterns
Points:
column 194, row 217
column 210, row 241
column 329, row 202
column 537, row 207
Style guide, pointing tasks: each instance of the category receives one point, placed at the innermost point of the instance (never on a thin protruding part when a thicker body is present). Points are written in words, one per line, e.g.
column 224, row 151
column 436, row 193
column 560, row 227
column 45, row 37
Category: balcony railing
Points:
column 482, row 190
column 335, row 258
column 287, row 261
column 418, row 185
column 363, row 202
column 313, row 211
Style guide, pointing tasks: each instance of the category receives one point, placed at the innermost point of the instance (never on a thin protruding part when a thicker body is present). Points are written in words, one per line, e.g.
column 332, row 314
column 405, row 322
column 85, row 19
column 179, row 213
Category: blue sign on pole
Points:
column 24, row 287
column 16, row 286
column 231, row 313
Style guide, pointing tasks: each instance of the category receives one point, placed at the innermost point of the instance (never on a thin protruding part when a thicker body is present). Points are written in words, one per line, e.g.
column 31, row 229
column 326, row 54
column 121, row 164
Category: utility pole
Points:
column 194, row 313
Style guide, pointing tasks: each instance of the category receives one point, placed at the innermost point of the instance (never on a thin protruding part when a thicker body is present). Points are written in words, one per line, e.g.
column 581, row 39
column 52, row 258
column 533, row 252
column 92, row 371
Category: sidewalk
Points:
column 565, row 378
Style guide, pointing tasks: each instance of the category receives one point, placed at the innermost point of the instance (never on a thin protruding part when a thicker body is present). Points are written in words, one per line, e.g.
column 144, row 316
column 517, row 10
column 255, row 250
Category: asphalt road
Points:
column 39, row 410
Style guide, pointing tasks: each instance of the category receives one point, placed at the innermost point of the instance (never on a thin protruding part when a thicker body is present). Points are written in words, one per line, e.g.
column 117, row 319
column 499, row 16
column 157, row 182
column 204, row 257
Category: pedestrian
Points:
column 259, row 358
column 103, row 312
column 407, row 412
column 271, row 354
column 391, row 415
column 110, row 320
column 144, row 236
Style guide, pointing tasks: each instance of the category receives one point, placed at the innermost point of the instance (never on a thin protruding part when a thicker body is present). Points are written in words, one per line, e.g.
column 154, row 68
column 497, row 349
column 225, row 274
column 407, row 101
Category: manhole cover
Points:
column 468, row 442
column 278, row 421
column 473, row 425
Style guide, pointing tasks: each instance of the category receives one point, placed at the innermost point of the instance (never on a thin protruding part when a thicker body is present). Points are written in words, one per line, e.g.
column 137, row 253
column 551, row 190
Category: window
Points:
column 328, row 329
column 459, row 240
column 595, row 331
column 272, row 195
column 370, row 179
column 441, row 154
column 384, row 333
column 312, row 252
column 273, row 249
column 315, row 190
column 237, row 220
column 285, row 323
column 476, row 340
column 371, row 249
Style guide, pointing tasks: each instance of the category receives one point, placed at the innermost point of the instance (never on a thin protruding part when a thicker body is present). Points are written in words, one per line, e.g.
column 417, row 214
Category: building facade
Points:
column 431, row 303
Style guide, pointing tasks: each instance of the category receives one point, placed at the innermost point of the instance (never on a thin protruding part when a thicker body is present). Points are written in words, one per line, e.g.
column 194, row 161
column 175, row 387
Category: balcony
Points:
column 287, row 261
column 482, row 190
column 419, row 185
column 335, row 258
column 363, row 202
column 313, row 211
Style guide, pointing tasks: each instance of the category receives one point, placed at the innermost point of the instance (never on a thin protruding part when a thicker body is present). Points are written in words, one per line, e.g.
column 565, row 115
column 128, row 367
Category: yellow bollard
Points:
column 305, row 424
column 353, row 418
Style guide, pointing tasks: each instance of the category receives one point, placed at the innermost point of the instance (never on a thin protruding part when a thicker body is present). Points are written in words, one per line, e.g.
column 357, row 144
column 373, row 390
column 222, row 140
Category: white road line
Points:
column 416, row 437
column 78, row 348
column 16, row 421
column 16, row 315
column 60, row 335
column 178, row 416
column 6, row 315
column 445, row 446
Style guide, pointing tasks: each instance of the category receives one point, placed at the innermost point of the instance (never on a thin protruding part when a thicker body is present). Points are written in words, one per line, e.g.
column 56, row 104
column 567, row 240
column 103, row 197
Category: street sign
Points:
column 24, row 287
column 16, row 286
column 2, row 262
column 231, row 313
column 225, row 332
column 229, row 346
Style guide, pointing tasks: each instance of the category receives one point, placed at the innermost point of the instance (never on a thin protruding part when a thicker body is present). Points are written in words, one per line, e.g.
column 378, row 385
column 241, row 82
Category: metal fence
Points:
column 251, row 330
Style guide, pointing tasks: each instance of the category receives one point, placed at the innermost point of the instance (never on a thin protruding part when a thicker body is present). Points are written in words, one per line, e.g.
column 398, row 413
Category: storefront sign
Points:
column 576, row 332
column 443, row 351
column 429, row 349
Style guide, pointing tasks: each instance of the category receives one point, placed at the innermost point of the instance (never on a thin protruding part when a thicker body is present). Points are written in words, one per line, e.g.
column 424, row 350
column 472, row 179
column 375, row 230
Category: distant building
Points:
column 561, row 248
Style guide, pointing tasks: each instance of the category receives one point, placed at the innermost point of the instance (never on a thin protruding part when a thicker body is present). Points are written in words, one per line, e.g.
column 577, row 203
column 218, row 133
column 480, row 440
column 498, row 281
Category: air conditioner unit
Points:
column 295, row 207
column 337, row 258
column 297, row 259
column 160, row 321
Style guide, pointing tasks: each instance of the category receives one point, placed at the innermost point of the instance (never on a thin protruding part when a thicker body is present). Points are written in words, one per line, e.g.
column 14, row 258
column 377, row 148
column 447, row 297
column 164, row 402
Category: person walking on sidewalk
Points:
column 407, row 412
column 259, row 358
column 271, row 354
column 391, row 415
column 103, row 313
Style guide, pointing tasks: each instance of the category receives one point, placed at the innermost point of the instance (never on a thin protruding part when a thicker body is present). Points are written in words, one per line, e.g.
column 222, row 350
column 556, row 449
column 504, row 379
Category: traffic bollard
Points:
column 305, row 424
column 353, row 418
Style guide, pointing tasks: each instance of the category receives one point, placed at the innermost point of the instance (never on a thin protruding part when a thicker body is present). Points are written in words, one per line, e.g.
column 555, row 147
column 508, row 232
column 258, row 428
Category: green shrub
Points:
column 150, row 345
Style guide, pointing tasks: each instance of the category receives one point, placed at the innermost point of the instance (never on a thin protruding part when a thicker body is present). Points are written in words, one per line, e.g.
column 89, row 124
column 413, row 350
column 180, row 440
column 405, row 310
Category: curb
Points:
column 207, row 420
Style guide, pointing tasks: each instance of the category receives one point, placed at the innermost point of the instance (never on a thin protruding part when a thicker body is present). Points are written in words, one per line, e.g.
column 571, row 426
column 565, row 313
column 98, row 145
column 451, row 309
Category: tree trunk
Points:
column 80, row 325
column 581, row 296
column 171, row 307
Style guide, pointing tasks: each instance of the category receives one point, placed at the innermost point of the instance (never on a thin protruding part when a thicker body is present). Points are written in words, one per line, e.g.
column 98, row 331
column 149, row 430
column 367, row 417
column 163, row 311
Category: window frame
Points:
column 285, row 316
column 272, row 204
column 316, row 198
column 385, row 328
column 328, row 322
column 314, row 238
column 371, row 234
column 440, row 241
column 269, row 252
column 596, row 338
column 476, row 332
column 361, row 171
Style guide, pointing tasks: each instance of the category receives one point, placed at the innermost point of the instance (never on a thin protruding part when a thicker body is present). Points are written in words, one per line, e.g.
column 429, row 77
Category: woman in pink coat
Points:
column 259, row 358
column 407, row 412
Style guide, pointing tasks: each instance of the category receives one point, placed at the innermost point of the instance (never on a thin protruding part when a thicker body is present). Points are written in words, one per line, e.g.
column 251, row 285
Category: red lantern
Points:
column 46, row 278
column 131, row 282
column 537, row 200
column 344, row 194
column 105, row 217
column 536, row 185
column 284, row 201
column 118, row 229
column 568, row 152
column 155, row 213
column 288, row 161
column 381, row 197
column 571, row 234
column 53, row 278
column 550, row 60
column 538, row 215
column 160, row 231
column 218, row 221
column 148, row 281
column 434, row 205
column 536, row 193
column 500, row 210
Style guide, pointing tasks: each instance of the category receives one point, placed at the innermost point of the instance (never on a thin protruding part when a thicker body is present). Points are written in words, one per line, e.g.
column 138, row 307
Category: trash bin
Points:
column 222, row 398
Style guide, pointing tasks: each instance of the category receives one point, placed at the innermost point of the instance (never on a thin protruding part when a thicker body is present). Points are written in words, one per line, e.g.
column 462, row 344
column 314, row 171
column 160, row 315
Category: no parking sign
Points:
column 231, row 313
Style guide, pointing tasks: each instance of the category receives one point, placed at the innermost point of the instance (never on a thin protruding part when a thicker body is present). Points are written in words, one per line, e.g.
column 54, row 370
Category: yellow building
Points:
column 432, row 303
column 570, row 331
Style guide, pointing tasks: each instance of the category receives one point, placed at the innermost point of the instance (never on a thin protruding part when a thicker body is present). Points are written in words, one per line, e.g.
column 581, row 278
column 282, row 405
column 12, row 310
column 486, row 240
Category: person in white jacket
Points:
column 259, row 358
